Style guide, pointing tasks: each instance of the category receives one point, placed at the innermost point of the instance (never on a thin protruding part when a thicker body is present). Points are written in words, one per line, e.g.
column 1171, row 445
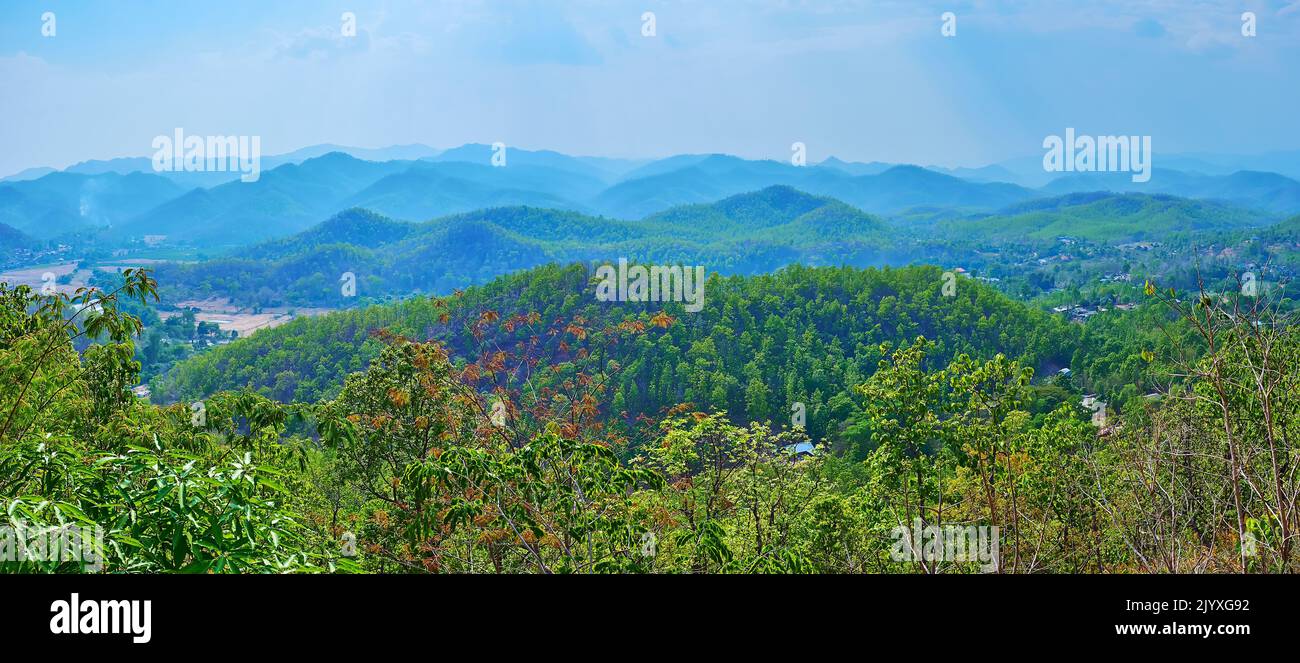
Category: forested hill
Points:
column 750, row 233
column 1105, row 217
column 747, row 233
column 11, row 238
column 760, row 344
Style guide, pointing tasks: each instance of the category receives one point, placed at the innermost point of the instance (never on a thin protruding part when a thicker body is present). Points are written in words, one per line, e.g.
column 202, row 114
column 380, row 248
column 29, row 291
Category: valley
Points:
column 1076, row 255
column 337, row 308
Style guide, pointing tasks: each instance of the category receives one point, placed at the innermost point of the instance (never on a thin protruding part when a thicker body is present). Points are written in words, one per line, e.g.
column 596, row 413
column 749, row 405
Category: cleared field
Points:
column 35, row 276
column 233, row 318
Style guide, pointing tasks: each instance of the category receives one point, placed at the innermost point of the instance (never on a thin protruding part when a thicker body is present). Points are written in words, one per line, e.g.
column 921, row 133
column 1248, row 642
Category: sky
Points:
column 862, row 81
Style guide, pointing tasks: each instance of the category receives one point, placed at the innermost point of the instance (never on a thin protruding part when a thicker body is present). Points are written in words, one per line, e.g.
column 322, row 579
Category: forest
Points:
column 792, row 426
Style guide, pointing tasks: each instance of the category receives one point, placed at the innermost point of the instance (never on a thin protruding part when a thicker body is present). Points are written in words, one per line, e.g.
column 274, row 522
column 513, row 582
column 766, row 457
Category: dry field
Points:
column 229, row 317
column 32, row 276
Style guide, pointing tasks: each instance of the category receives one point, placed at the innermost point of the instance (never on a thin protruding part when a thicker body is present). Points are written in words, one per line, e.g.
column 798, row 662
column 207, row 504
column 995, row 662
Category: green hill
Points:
column 749, row 233
column 60, row 203
column 1103, row 217
column 11, row 238
column 760, row 343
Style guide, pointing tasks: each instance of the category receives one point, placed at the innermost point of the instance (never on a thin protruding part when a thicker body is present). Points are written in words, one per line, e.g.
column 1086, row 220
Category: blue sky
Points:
column 859, row 80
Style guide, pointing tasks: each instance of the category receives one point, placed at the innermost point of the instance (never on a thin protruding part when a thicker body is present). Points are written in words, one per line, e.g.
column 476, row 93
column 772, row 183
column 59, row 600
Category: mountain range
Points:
column 416, row 183
column 749, row 233
column 1103, row 217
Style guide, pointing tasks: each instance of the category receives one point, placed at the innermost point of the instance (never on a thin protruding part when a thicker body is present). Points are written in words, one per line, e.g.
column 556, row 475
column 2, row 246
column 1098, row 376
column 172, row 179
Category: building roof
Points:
column 801, row 448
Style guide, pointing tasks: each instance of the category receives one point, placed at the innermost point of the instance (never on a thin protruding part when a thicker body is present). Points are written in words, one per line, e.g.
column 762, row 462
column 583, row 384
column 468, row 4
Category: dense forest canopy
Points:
column 765, row 342
column 450, row 372
column 795, row 424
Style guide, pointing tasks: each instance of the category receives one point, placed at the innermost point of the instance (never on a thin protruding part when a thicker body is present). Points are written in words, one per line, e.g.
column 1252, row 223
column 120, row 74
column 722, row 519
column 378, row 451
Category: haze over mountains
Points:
column 750, row 233
column 747, row 233
column 1103, row 217
column 123, row 199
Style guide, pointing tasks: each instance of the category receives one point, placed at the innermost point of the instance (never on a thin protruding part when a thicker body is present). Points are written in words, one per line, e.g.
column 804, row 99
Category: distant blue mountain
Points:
column 598, row 168
column 11, row 238
column 890, row 191
column 423, row 192
column 904, row 187
column 417, row 182
column 752, row 232
column 1259, row 190
column 282, row 201
column 191, row 179
column 853, row 168
column 60, row 203
column 29, row 174
column 991, row 173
